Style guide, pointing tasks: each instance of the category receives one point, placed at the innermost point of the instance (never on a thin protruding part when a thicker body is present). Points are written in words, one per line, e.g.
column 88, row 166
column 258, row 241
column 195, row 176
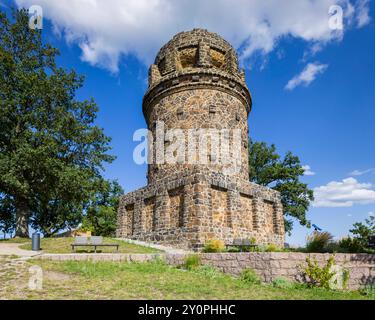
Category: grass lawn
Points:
column 108, row 280
column 63, row 245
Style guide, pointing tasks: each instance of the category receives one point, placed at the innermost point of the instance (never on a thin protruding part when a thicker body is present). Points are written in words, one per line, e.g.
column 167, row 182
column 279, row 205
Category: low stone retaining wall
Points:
column 269, row 265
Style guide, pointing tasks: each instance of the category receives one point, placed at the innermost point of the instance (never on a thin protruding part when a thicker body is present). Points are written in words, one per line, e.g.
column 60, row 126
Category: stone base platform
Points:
column 187, row 210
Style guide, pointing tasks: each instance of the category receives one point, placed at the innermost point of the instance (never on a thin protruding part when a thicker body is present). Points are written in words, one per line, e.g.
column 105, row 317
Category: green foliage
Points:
column 319, row 276
column 192, row 261
column 214, row 245
column 273, row 248
column 283, row 283
column 351, row 245
column 208, row 271
column 362, row 231
column 51, row 152
column 345, row 278
column 101, row 216
column 268, row 169
column 368, row 290
column 250, row 276
column 319, row 241
column 7, row 215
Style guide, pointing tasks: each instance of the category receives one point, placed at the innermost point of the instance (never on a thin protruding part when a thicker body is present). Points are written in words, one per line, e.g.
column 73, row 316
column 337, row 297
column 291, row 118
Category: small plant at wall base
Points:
column 283, row 283
column 192, row 262
column 250, row 276
column 319, row 276
column 214, row 245
column 273, row 248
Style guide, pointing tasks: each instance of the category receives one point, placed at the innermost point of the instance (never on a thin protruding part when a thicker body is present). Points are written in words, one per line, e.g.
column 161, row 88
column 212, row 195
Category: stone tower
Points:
column 198, row 95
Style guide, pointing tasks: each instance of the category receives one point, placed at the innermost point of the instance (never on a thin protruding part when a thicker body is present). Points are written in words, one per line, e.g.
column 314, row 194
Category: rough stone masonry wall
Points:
column 191, row 208
column 195, row 84
column 269, row 266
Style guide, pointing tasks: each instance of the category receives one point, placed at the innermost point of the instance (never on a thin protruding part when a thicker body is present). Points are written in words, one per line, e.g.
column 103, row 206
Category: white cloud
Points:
column 345, row 193
column 308, row 171
column 106, row 30
column 363, row 16
column 308, row 75
column 360, row 173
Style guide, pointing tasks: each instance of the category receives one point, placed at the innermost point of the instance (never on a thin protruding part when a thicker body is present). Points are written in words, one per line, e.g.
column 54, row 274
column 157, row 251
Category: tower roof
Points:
column 192, row 38
column 196, row 59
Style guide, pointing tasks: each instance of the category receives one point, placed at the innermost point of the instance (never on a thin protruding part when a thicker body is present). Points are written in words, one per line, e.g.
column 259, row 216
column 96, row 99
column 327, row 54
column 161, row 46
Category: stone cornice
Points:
column 196, row 79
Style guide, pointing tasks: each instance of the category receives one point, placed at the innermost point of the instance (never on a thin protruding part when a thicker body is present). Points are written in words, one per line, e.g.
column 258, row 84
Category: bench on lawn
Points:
column 92, row 242
column 242, row 243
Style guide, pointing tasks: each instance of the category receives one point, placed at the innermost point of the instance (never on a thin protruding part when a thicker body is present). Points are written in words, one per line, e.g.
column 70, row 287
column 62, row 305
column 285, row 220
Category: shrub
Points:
column 234, row 249
column 351, row 245
column 250, row 276
column 362, row 231
column 192, row 261
column 318, row 241
column 319, row 276
column 273, row 248
column 214, row 245
column 207, row 271
column 368, row 290
column 283, row 283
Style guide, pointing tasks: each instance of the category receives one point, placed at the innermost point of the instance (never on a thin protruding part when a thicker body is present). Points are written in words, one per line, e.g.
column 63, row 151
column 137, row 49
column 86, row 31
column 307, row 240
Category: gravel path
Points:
column 8, row 249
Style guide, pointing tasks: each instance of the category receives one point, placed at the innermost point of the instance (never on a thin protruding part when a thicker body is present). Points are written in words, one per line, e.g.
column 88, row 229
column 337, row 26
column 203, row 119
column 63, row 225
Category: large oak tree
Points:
column 267, row 168
column 51, row 151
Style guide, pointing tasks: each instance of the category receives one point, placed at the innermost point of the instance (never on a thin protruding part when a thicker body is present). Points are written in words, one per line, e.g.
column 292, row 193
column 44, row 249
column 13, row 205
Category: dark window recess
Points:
column 238, row 118
column 212, row 109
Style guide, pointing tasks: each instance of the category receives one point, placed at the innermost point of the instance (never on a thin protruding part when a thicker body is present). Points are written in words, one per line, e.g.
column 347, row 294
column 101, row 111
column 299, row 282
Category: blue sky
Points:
column 326, row 119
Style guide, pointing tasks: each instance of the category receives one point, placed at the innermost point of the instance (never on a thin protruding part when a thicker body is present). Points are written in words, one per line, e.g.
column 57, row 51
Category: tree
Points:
column 267, row 168
column 7, row 216
column 362, row 231
column 101, row 217
column 51, row 153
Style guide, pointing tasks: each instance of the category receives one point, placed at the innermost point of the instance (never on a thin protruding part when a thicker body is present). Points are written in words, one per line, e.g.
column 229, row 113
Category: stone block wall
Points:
column 187, row 211
column 268, row 265
column 273, row 265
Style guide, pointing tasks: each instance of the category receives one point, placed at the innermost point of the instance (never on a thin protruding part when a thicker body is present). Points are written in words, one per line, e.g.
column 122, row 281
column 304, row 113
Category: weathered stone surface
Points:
column 195, row 83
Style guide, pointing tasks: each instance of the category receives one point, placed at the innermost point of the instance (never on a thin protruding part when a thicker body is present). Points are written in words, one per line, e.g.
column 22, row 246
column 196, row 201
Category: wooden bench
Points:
column 93, row 242
column 242, row 243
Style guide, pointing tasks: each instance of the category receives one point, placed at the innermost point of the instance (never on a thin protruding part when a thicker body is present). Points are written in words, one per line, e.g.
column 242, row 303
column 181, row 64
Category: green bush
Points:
column 319, row 241
column 214, row 245
column 192, row 261
column 250, row 276
column 362, row 231
column 207, row 271
column 273, row 248
column 319, row 276
column 368, row 290
column 351, row 245
column 283, row 283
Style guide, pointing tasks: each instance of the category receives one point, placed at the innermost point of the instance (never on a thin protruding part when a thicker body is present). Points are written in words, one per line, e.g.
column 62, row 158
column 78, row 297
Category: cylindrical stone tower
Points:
column 195, row 83
column 197, row 100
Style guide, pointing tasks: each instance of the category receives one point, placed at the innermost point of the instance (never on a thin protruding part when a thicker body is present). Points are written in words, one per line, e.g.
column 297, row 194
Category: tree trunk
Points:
column 22, row 221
